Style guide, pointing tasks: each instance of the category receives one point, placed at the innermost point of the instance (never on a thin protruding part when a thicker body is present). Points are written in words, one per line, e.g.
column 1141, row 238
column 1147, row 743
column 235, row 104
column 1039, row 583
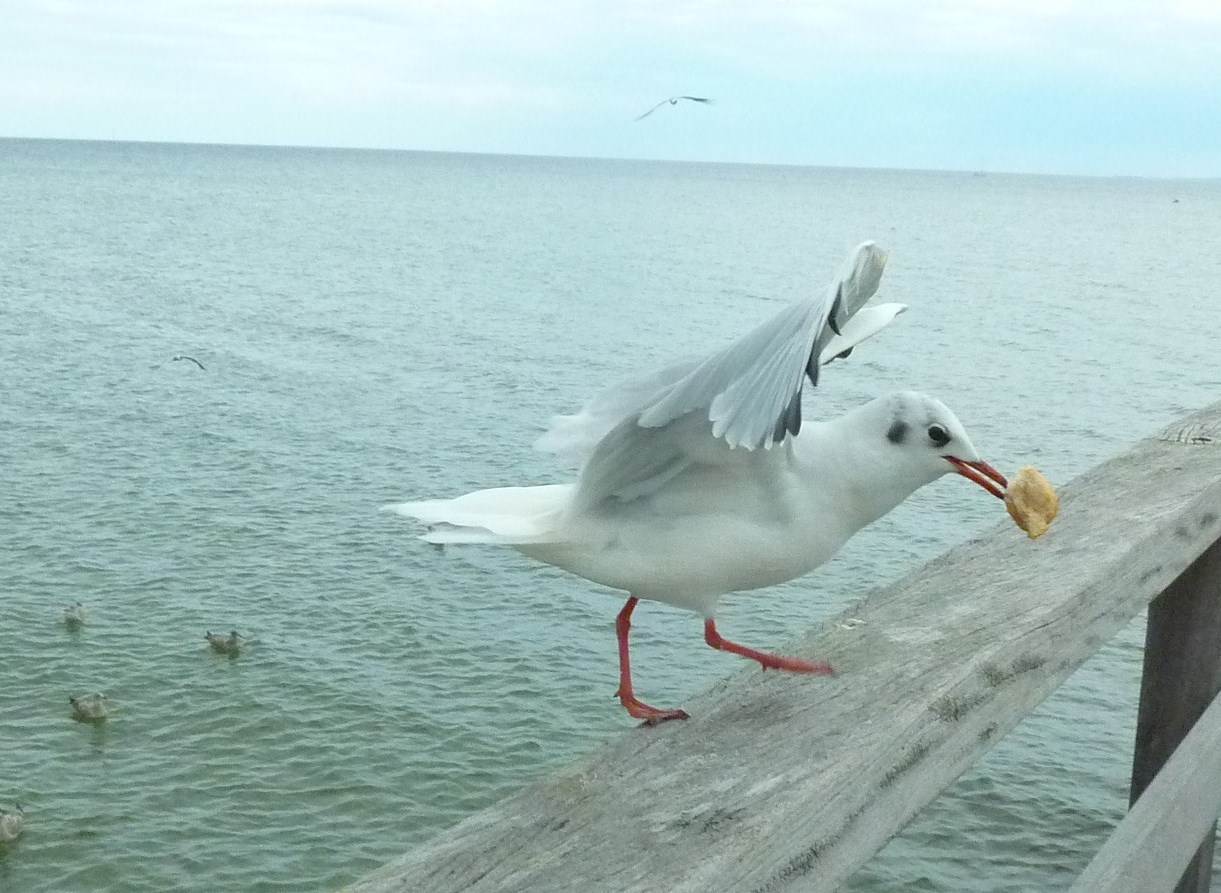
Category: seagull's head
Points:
column 926, row 439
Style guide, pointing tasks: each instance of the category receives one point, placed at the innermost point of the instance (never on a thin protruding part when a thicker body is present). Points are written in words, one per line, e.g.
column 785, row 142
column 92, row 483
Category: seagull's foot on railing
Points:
column 633, row 705
column 766, row 660
column 651, row 716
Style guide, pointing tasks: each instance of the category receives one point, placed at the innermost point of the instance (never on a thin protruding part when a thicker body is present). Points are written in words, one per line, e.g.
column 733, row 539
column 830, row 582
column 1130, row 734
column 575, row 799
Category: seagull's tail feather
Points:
column 502, row 515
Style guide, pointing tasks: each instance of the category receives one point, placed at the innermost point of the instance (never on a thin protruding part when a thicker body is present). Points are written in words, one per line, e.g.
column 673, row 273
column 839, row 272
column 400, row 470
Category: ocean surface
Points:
column 377, row 326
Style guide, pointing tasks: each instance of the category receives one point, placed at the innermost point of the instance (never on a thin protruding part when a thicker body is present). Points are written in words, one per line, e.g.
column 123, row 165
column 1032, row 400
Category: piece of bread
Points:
column 1031, row 501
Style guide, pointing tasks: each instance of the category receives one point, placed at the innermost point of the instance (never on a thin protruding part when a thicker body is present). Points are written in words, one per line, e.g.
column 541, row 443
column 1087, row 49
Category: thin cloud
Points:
column 812, row 82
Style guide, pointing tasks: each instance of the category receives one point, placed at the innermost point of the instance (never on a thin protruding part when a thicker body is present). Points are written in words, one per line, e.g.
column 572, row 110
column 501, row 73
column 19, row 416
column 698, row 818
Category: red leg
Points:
column 635, row 707
column 767, row 661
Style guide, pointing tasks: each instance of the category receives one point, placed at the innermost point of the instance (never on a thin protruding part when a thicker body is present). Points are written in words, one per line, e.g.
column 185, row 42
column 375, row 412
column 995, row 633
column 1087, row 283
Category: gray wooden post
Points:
column 1182, row 675
column 1157, row 839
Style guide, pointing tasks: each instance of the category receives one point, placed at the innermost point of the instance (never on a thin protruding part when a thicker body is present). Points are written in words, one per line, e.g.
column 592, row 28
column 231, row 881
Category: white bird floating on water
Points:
column 12, row 823
column 701, row 479
column 90, row 707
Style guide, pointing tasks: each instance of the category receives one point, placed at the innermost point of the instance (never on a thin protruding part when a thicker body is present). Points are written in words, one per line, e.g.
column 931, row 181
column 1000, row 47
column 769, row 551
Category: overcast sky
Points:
column 1055, row 86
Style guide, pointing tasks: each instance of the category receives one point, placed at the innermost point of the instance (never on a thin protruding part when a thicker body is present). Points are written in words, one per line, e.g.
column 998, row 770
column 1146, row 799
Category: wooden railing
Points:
column 783, row 783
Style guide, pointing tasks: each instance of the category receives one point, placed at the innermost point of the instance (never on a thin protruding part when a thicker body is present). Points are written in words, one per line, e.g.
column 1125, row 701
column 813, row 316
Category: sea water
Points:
column 378, row 326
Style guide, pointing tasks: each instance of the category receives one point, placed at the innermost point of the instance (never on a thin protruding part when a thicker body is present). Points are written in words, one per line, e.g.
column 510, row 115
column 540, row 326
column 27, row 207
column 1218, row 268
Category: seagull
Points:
column 703, row 478
column 90, row 708
column 673, row 100
column 74, row 615
column 224, row 644
column 12, row 823
column 183, row 356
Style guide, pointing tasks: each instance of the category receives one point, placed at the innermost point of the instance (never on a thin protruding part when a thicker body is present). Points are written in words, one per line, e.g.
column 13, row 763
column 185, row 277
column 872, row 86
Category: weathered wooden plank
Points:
column 1182, row 676
column 1156, row 839
column 781, row 782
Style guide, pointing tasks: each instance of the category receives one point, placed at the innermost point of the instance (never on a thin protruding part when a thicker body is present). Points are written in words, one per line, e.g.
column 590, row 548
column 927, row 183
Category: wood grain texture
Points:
column 780, row 782
column 1157, row 838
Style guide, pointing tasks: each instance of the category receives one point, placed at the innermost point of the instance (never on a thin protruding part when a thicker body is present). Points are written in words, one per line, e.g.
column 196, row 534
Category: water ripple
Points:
column 366, row 339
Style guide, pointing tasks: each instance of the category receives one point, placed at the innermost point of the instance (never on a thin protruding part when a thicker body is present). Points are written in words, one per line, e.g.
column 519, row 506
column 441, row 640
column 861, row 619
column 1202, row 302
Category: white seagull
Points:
column 673, row 100
column 702, row 479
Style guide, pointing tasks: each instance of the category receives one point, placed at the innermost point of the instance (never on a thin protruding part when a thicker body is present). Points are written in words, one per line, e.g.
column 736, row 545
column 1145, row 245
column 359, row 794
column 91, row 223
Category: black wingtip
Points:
column 835, row 309
column 789, row 421
column 812, row 365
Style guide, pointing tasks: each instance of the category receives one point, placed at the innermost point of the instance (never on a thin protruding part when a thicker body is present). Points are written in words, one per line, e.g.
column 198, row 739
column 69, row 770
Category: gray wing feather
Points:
column 857, row 281
column 573, row 437
column 629, row 462
column 759, row 391
column 750, row 388
column 746, row 395
column 867, row 323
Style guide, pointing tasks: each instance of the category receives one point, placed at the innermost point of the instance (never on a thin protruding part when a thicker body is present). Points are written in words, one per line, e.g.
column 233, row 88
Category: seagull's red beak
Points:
column 981, row 473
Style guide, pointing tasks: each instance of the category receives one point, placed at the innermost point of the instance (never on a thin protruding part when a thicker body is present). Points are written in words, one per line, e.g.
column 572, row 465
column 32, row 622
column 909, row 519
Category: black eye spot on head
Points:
column 938, row 435
column 897, row 431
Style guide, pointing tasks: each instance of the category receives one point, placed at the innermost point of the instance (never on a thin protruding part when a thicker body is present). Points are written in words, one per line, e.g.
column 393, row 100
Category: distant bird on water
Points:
column 90, row 708
column 673, row 100
column 74, row 614
column 229, row 644
column 183, row 356
column 12, row 822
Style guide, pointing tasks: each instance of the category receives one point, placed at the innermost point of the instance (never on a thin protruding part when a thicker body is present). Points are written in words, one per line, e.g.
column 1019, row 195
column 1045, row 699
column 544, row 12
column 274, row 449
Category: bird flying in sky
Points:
column 673, row 100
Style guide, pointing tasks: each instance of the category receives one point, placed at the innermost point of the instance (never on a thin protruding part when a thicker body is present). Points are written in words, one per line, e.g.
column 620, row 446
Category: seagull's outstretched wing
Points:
column 751, row 390
column 867, row 322
column 192, row 359
column 573, row 437
column 653, row 109
column 746, row 396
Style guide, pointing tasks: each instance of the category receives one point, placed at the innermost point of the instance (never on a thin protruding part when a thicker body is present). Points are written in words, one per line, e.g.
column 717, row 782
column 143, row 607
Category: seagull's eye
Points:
column 938, row 435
